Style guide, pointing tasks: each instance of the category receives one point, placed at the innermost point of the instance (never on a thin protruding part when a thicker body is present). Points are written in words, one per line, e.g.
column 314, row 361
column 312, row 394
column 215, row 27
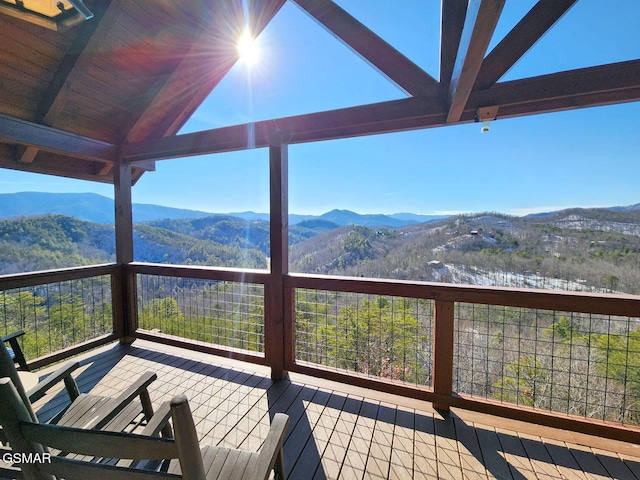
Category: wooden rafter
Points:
column 481, row 20
column 609, row 84
column 391, row 63
column 451, row 24
column 520, row 39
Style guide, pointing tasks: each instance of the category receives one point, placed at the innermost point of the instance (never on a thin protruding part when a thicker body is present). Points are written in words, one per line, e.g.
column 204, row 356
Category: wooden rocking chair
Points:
column 84, row 410
column 114, row 456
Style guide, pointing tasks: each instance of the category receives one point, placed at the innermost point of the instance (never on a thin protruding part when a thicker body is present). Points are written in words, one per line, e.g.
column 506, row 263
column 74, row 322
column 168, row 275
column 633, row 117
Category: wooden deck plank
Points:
column 339, row 431
column 563, row 459
column 333, row 457
column 424, row 462
column 357, row 453
column 403, row 444
column 614, row 465
column 539, row 456
column 447, row 452
column 469, row 450
column 379, row 459
column 494, row 460
column 301, row 456
column 321, row 434
column 516, row 455
column 590, row 463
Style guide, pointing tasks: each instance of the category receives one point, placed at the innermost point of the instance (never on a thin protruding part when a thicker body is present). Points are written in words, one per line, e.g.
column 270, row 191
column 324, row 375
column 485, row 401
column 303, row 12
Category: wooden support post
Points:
column 274, row 330
column 127, row 322
column 443, row 351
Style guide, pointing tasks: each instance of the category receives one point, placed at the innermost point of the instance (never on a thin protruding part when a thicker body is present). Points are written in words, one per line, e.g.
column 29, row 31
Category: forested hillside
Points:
column 574, row 363
column 575, row 250
column 53, row 241
column 57, row 241
column 236, row 232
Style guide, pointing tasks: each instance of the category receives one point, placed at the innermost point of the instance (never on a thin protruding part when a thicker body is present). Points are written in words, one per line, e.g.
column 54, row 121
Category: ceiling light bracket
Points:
column 486, row 115
column 52, row 14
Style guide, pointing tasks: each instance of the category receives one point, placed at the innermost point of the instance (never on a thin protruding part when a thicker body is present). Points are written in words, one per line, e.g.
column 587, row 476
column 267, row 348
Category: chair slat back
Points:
column 97, row 443
column 69, row 469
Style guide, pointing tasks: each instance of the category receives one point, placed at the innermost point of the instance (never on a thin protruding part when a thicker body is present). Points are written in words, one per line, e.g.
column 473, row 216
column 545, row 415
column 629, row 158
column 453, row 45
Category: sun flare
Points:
column 247, row 48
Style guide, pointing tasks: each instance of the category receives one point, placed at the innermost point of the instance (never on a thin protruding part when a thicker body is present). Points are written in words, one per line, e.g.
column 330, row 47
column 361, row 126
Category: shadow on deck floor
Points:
column 340, row 431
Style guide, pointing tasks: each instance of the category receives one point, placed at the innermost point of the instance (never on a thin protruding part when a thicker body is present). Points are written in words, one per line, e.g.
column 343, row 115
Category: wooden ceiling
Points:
column 118, row 87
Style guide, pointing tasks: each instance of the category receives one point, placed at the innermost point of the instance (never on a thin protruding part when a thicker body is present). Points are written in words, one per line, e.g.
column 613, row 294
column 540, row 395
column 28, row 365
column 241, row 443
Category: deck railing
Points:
column 544, row 356
column 559, row 358
column 219, row 311
column 62, row 312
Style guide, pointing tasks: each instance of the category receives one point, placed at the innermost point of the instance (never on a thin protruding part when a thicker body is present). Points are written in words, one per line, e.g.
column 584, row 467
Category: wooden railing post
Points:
column 443, row 351
column 125, row 319
column 274, row 331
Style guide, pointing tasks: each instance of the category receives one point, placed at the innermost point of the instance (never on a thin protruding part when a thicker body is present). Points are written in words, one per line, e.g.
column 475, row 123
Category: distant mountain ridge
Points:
column 84, row 206
column 99, row 209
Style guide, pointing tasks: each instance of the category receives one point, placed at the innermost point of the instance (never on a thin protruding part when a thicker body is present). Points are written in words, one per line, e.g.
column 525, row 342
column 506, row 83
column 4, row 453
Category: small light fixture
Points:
column 485, row 115
column 53, row 14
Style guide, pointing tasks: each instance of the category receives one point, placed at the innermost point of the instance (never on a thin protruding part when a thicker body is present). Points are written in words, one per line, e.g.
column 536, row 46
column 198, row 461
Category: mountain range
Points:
column 595, row 248
column 99, row 209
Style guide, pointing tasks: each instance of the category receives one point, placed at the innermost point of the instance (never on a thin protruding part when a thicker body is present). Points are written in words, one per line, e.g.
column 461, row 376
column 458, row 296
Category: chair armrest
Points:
column 6, row 338
column 159, row 422
column 115, row 406
column 271, row 450
column 16, row 350
column 64, row 374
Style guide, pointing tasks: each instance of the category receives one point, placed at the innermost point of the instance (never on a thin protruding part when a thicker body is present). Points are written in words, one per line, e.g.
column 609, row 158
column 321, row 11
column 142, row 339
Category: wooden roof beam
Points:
column 533, row 26
column 17, row 131
column 603, row 85
column 585, row 87
column 481, row 20
column 369, row 46
column 452, row 16
column 53, row 164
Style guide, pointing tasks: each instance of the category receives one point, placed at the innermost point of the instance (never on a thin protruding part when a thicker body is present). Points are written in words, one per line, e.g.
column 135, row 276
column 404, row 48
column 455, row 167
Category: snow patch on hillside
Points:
column 460, row 274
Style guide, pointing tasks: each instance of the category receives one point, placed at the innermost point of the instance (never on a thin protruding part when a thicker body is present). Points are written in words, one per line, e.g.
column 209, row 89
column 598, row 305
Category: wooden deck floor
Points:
column 340, row 431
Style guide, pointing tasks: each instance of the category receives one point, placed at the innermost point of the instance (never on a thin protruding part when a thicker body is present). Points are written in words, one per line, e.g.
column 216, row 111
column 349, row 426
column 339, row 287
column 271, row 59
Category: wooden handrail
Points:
column 583, row 302
column 31, row 279
column 200, row 272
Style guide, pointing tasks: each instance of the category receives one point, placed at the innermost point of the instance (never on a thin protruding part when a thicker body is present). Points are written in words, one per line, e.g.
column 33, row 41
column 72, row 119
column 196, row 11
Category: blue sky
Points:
column 588, row 157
